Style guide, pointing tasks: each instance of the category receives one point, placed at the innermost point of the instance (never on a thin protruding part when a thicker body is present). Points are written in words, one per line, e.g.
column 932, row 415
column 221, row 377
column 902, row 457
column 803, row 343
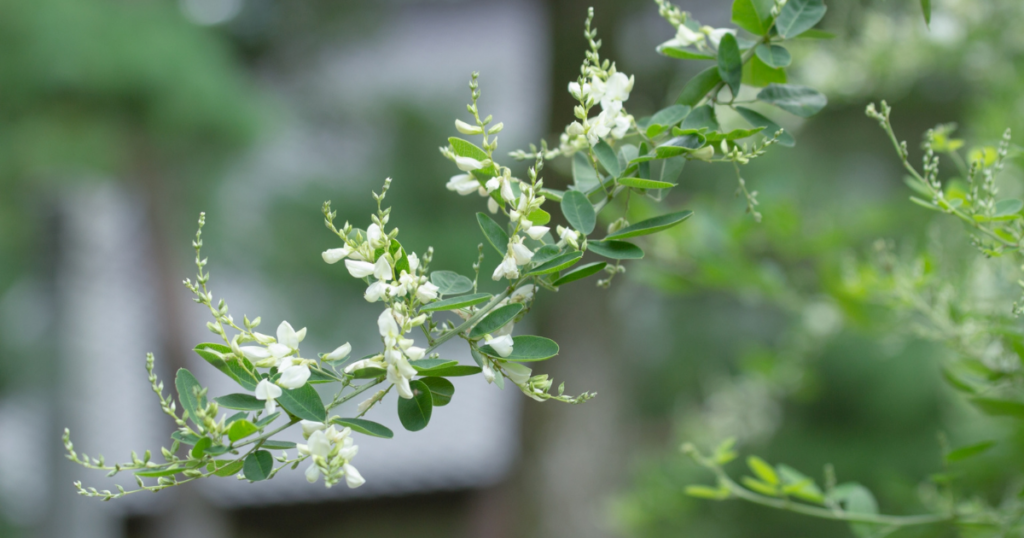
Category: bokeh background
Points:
column 121, row 120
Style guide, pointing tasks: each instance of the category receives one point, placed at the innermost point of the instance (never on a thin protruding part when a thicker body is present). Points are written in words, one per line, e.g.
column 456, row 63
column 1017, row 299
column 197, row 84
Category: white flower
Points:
column 375, row 236
column 568, row 235
column 492, row 205
column 359, row 269
column 488, row 371
column 468, row 164
column 504, row 183
column 319, row 447
column 517, row 373
column 521, row 253
column 339, row 353
column 401, row 381
column 415, row 353
column 468, row 129
column 255, row 353
column 506, row 269
column 537, row 232
column 352, row 476
column 574, row 129
column 335, row 255
column 376, row 290
column 294, row 374
column 715, row 35
column 616, row 89
column 414, row 262
column 365, row 363
column 265, row 390
column 501, row 345
column 522, row 294
column 426, row 292
column 579, row 92
column 287, row 341
column 309, row 426
column 463, row 184
column 382, row 269
column 686, row 37
column 388, row 327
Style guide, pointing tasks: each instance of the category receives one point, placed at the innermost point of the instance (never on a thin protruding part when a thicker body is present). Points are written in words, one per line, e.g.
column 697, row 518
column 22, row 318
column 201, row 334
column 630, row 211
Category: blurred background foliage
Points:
column 728, row 328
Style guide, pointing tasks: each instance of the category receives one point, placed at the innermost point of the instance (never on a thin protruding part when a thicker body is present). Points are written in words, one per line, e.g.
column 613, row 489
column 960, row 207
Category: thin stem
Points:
column 471, row 321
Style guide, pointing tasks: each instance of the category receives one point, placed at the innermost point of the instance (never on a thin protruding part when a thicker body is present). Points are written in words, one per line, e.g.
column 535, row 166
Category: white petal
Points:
column 517, row 373
column 293, row 377
column 521, row 253
column 376, row 290
column 501, row 345
column 359, row 269
column 468, row 164
column 312, row 473
column 335, row 255
column 265, row 390
column 365, row 363
column 340, row 352
column 279, row 350
column 537, row 232
column 414, row 262
column 386, row 324
column 426, row 292
column 352, row 476
column 382, row 269
column 255, row 353
column 492, row 205
column 309, row 426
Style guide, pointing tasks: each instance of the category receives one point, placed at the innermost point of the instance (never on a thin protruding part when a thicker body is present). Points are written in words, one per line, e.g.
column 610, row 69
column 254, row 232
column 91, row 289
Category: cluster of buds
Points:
column 330, row 453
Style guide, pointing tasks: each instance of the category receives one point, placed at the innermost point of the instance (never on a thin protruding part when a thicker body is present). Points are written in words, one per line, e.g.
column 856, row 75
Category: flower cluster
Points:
column 330, row 452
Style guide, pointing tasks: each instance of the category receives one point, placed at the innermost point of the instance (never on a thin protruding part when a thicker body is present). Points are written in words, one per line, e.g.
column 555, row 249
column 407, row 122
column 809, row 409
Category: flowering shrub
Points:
column 614, row 156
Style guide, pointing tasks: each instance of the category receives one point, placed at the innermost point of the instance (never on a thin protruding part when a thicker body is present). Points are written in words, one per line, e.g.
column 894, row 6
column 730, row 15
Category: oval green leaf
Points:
column 799, row 100
column 450, row 282
column 527, row 349
column 638, row 183
column 579, row 211
column 580, row 272
column 616, row 250
column 303, row 402
column 186, row 383
column 606, row 156
column 425, row 366
column 699, row 86
column 498, row 318
column 240, row 429
column 774, row 56
column 730, row 65
column 798, row 16
column 651, row 226
column 441, row 390
column 414, row 413
column 456, row 303
column 770, row 127
column 258, row 465
column 557, row 263
column 684, row 54
column 458, row 370
column 366, row 427
column 493, row 232
column 242, row 402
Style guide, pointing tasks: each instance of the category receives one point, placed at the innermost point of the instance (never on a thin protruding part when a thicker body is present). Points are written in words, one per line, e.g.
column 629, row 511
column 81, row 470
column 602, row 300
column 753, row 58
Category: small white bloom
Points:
column 375, row 236
column 255, row 353
column 265, row 390
column 415, row 353
column 617, row 88
column 309, row 426
column 365, row 363
column 382, row 269
column 488, row 371
column 522, row 294
column 335, row 255
column 387, row 326
column 468, row 129
column 414, row 262
column 468, row 164
column 352, row 476
column 501, row 345
column 715, row 35
column 686, row 37
column 521, row 253
column 294, row 374
column 517, row 373
column 579, row 92
column 339, row 353
column 288, row 336
column 463, row 184
column 568, row 236
column 574, row 129
column 506, row 269
column 492, row 205
column 359, row 269
column 537, row 232
column 401, row 382
column 426, row 292
column 376, row 290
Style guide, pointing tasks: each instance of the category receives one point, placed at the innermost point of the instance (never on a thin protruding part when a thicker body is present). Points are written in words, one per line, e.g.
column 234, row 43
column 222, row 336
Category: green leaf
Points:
column 186, row 383
column 465, row 148
column 678, row 146
column 730, row 65
column 798, row 16
column 606, row 156
column 580, row 272
column 926, row 8
column 684, row 54
column 319, row 376
column 441, row 390
column 816, row 34
column 763, row 470
column 583, row 174
column 401, row 260
column 188, row 439
column 758, row 74
column 244, row 402
column 799, row 100
column 426, row 366
column 579, row 211
column 303, row 402
column 365, row 427
column 496, row 319
column 493, row 232
column 229, row 468
column 258, row 465
column 701, row 117
column 237, row 416
column 162, row 472
column 557, row 264
column 753, row 16
column 539, row 217
column 671, row 168
column 616, row 250
column 734, row 134
column 798, row 485
column 455, row 371
column 1009, row 207
column 774, row 56
column 278, row 445
column 268, row 419
column 770, row 127
column 859, row 500
column 456, row 303
column 638, row 183
column 368, row 373
column 968, row 451
column 999, row 408
column 705, row 492
column 699, row 86
column 528, row 349
column 221, row 357
column 546, row 253
column 201, row 446
column 651, row 226
column 414, row 413
column 450, row 282
column 241, row 429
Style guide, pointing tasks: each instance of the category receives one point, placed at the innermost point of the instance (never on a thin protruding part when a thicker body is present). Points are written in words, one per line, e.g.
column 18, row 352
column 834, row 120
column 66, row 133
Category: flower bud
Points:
column 468, row 129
